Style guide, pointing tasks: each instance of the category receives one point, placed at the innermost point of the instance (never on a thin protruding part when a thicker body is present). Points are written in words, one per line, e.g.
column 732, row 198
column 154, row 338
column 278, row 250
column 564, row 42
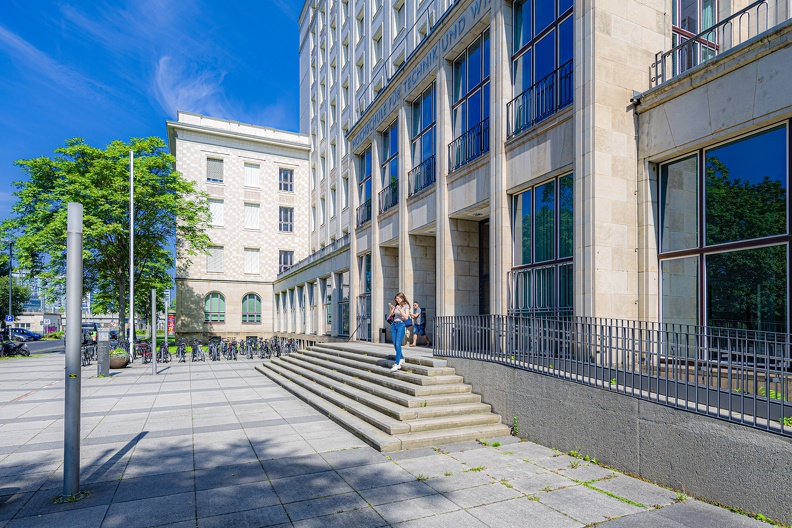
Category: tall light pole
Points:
column 10, row 280
column 131, row 249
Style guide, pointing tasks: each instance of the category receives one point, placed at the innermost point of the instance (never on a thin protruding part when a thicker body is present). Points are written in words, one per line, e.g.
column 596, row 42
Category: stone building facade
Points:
column 256, row 181
column 494, row 156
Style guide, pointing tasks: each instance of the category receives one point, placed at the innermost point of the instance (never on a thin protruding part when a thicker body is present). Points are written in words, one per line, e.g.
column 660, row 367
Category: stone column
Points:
column 445, row 256
column 406, row 278
column 378, row 294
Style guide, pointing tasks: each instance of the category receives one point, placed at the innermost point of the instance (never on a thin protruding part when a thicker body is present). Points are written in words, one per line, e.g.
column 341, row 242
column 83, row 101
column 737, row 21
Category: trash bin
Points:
column 382, row 336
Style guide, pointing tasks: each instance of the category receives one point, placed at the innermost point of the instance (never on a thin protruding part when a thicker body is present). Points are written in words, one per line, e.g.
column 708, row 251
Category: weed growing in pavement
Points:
column 515, row 426
column 547, row 489
column 447, row 473
column 680, row 496
column 496, row 444
column 533, row 498
column 421, row 477
column 475, row 469
column 506, row 483
column 574, row 464
column 482, row 441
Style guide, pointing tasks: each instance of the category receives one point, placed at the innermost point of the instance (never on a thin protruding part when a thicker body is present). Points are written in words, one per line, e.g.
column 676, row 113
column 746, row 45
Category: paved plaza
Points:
column 218, row 444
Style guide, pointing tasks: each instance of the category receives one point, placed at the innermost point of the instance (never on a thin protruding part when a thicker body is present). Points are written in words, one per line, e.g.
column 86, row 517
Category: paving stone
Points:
column 586, row 505
column 435, row 465
column 397, row 512
column 363, row 518
column 374, row 476
column 42, row 502
column 230, row 499
column 487, row 494
column 269, row 516
column 294, row 466
column 637, row 491
column 325, row 506
column 11, row 504
column 524, row 513
column 347, row 458
column 218, row 477
column 312, row 486
column 459, row 481
column 155, row 486
column 84, row 518
column 541, row 482
column 396, row 493
column 457, row 519
column 696, row 514
column 165, row 510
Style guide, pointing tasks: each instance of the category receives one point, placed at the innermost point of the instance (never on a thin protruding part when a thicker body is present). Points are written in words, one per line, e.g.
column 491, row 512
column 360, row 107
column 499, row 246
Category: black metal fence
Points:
column 389, row 196
column 363, row 213
column 422, row 176
column 540, row 101
column 469, row 145
column 740, row 376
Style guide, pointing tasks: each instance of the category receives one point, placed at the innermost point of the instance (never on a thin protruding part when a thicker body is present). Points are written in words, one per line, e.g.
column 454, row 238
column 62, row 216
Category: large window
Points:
column 470, row 111
column 542, row 224
column 364, row 187
column 389, row 168
column 251, row 308
column 216, row 213
column 214, row 170
column 214, row 259
column 286, row 180
column 423, row 140
column 252, row 261
column 724, row 235
column 286, row 219
column 252, row 216
column 214, row 308
column 543, row 44
column 285, row 260
column 252, row 175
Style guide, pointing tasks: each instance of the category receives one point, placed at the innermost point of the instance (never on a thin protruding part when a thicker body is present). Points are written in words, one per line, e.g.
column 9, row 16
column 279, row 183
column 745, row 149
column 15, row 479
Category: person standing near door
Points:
column 419, row 316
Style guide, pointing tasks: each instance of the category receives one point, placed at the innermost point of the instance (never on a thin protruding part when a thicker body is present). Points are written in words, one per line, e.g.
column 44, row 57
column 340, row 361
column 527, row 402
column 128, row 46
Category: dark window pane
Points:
column 522, row 228
column 544, row 14
column 680, row 286
column 748, row 289
column 544, row 57
column 545, row 285
column 474, row 109
column 746, row 188
column 566, row 218
column 566, row 40
column 566, row 283
column 485, row 101
column 544, row 242
column 522, row 23
column 428, row 109
column 679, row 205
column 474, row 64
column 460, row 76
column 416, row 118
column 485, row 55
column 427, row 144
column 394, row 139
column 689, row 16
column 563, row 5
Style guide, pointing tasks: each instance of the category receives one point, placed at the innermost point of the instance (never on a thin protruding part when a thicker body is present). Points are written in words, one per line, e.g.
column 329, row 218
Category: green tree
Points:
column 168, row 208
column 20, row 294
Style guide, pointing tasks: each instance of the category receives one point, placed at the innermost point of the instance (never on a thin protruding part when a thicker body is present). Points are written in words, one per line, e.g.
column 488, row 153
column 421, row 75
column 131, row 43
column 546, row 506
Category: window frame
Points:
column 218, row 315
column 285, row 179
column 247, row 315
column 285, row 219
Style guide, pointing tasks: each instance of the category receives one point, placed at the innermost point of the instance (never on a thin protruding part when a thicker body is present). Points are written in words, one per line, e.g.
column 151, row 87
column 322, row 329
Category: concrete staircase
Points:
column 423, row 404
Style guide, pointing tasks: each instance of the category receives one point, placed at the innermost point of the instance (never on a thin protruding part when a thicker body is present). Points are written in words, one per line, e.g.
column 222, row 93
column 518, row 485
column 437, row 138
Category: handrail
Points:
column 363, row 213
column 469, row 145
column 546, row 97
column 422, row 176
column 711, row 42
column 389, row 196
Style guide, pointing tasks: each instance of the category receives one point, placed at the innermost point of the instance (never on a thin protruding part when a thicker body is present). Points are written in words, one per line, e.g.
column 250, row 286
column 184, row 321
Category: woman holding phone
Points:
column 400, row 311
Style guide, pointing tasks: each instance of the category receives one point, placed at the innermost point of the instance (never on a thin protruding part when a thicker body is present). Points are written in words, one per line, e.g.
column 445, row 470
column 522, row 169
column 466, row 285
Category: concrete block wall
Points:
column 424, row 276
column 465, row 250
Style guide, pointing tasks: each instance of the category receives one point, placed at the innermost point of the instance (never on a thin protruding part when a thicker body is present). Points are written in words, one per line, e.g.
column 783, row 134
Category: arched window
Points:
column 214, row 307
column 251, row 308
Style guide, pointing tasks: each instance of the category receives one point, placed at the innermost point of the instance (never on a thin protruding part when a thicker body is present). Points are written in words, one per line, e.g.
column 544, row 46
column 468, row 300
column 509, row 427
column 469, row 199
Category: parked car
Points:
column 113, row 335
column 23, row 334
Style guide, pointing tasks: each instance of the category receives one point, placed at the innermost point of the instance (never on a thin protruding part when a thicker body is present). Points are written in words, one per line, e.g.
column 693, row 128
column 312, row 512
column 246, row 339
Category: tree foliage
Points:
column 167, row 208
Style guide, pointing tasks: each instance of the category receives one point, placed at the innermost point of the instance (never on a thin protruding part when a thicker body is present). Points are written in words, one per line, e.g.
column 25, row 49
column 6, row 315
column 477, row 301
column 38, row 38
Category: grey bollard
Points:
column 103, row 352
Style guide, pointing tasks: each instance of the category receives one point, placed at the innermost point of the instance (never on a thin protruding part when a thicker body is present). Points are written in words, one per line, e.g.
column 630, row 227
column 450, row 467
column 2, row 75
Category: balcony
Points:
column 363, row 213
column 693, row 50
column 317, row 255
column 422, row 176
column 389, row 196
column 540, row 101
column 469, row 146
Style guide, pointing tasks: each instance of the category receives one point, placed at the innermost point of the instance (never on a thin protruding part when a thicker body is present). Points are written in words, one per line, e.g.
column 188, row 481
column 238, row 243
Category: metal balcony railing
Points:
column 736, row 375
column 316, row 255
column 469, row 146
column 364, row 212
column 693, row 50
column 422, row 176
column 543, row 99
column 389, row 196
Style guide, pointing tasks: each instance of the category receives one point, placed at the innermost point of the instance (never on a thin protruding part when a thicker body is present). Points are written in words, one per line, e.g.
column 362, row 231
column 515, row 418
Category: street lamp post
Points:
column 10, row 279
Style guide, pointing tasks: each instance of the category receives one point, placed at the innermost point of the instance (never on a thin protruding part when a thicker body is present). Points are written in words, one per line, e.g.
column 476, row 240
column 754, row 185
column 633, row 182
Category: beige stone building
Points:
column 498, row 156
column 256, row 179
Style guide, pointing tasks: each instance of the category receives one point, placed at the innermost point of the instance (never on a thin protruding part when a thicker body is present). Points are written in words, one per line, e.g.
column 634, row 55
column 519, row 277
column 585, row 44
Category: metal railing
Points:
column 319, row 254
column 543, row 99
column 739, row 376
column 389, row 196
column 363, row 212
column 363, row 317
column 743, row 25
column 422, row 176
column 469, row 146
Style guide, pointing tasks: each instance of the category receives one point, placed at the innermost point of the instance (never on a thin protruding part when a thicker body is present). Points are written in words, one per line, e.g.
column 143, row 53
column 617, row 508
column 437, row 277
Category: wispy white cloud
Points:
column 175, row 87
column 287, row 8
column 46, row 69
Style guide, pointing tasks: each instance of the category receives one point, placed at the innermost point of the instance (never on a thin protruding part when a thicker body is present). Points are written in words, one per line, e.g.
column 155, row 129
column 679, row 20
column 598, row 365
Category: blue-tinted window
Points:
column 544, row 14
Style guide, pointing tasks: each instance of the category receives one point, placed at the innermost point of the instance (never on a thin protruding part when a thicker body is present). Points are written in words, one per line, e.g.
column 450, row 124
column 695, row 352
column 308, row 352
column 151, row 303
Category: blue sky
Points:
column 116, row 69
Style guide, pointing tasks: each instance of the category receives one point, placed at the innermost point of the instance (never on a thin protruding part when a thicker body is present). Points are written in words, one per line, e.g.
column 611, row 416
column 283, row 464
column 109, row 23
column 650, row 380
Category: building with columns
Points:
column 255, row 179
column 538, row 156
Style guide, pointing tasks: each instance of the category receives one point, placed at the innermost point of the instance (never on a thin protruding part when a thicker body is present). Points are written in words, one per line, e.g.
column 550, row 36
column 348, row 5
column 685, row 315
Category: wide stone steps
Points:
column 423, row 404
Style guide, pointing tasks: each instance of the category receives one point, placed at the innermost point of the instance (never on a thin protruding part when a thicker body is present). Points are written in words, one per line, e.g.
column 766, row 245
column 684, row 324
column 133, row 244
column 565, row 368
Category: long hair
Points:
column 403, row 297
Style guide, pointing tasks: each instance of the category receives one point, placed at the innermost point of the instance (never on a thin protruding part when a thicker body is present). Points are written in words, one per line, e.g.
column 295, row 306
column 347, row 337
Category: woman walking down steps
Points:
column 400, row 313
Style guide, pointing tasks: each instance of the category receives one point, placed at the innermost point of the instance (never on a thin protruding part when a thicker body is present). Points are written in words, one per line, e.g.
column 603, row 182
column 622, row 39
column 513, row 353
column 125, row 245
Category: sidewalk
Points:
column 218, row 444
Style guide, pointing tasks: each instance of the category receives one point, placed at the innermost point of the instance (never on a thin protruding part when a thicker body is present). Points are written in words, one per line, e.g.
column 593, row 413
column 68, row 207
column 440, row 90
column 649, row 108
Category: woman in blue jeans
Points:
column 400, row 310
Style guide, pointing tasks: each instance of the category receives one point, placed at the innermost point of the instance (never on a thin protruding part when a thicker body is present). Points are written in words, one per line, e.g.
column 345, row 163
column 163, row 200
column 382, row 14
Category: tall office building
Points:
column 256, row 181
column 489, row 156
